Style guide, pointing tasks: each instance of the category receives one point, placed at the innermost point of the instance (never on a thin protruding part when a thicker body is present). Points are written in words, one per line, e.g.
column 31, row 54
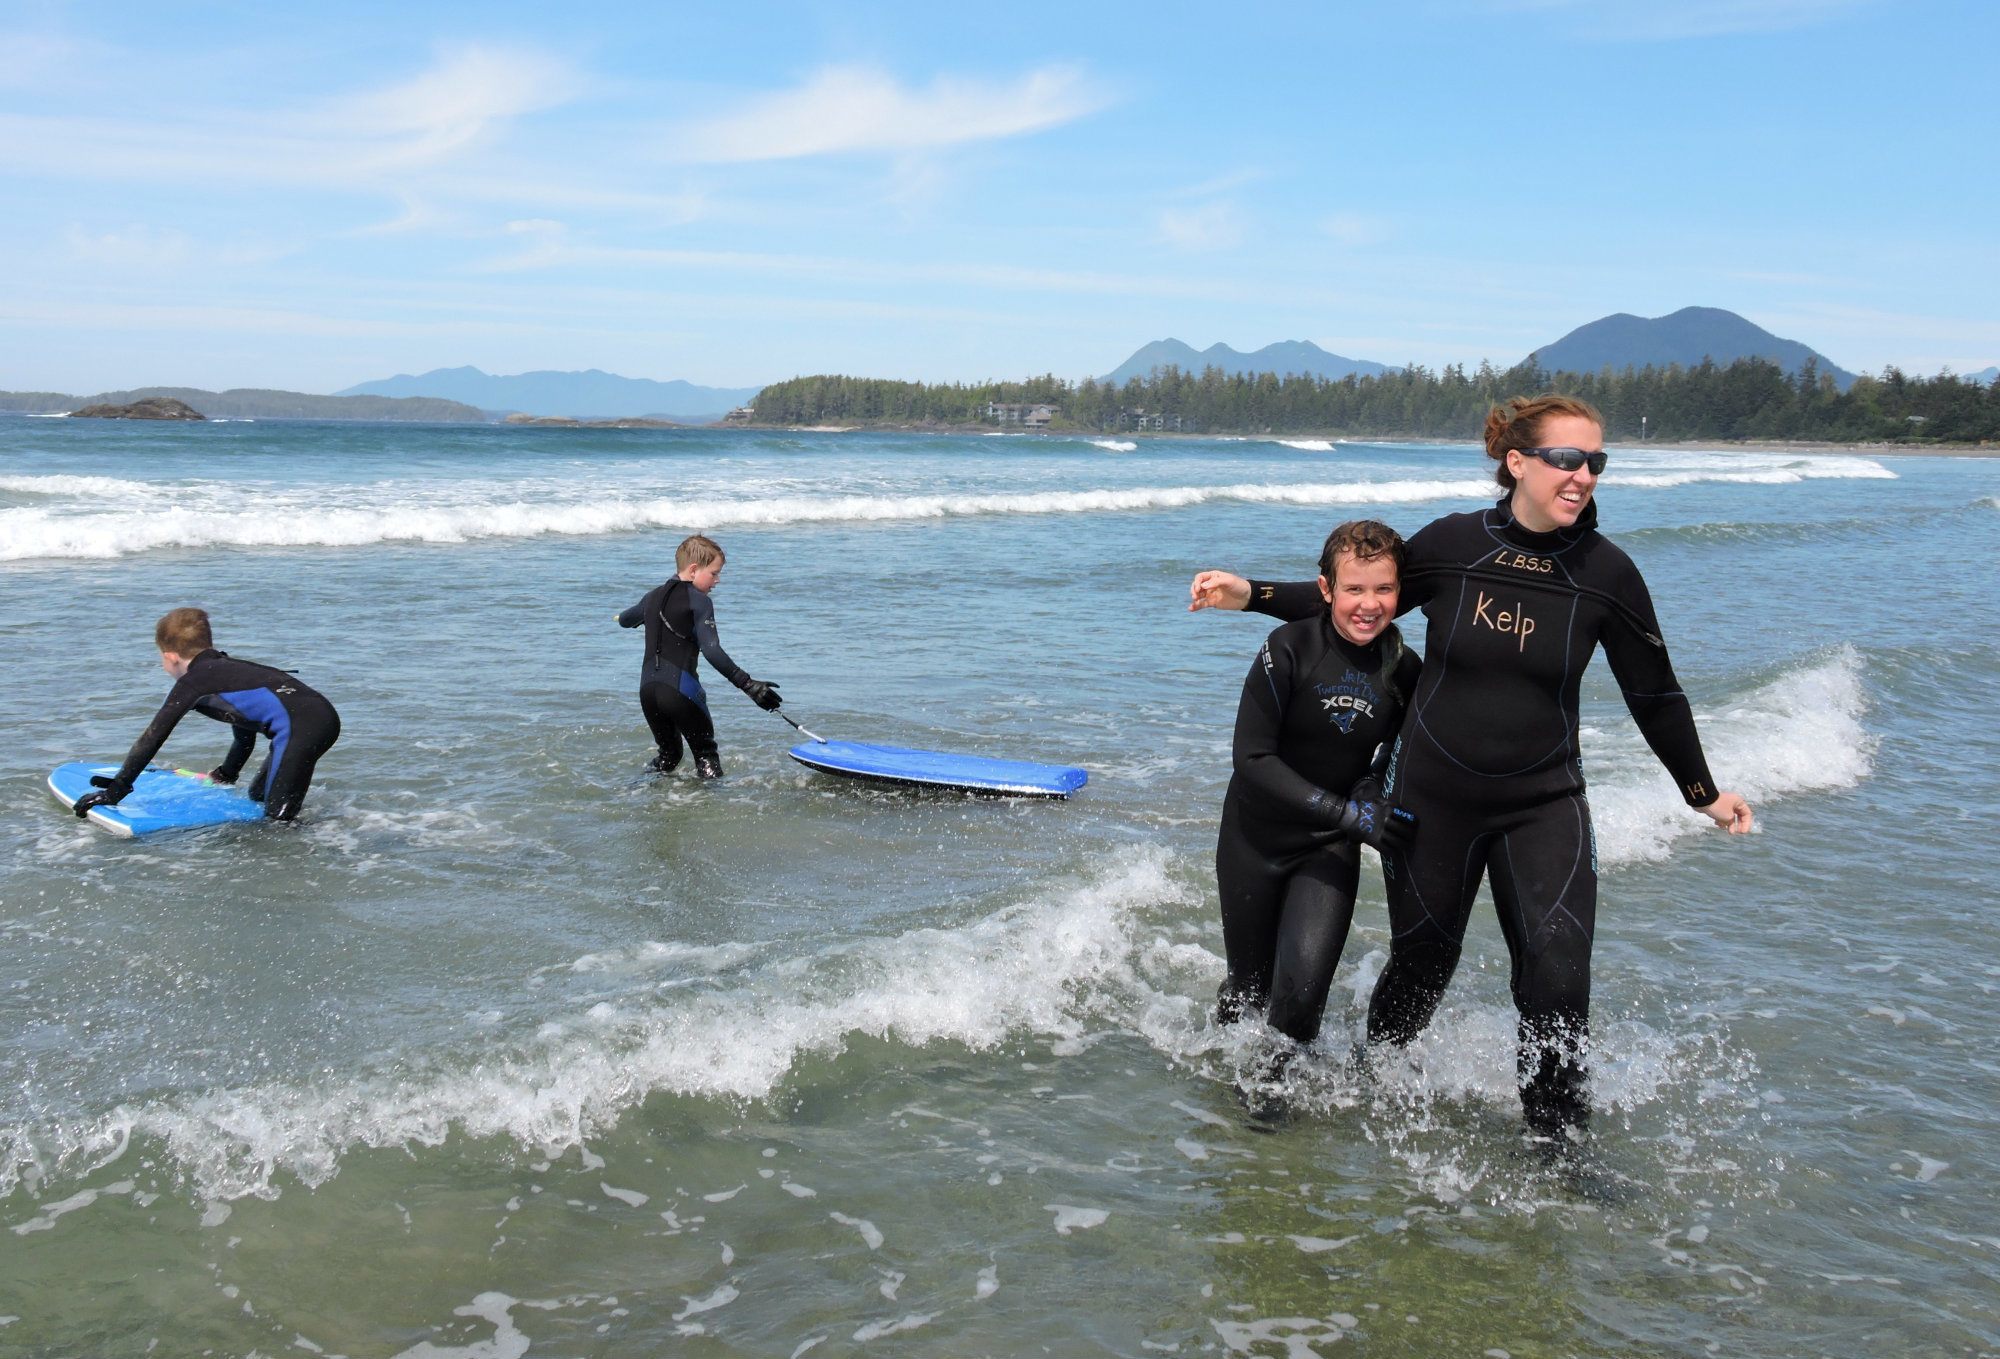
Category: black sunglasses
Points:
column 1569, row 459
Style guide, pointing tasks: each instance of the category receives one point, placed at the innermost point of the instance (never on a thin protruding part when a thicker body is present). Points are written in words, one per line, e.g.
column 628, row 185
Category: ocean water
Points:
column 508, row 1048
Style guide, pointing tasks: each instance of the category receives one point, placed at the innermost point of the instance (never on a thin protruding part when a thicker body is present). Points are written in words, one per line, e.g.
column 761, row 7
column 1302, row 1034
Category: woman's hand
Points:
column 1730, row 812
column 1218, row 590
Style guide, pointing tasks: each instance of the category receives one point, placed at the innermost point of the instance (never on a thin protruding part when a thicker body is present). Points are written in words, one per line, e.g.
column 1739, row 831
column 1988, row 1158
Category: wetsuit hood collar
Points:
column 1516, row 532
column 1369, row 653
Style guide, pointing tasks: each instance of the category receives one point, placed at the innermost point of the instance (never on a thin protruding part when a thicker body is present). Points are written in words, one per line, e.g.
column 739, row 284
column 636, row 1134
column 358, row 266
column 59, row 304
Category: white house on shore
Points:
column 1027, row 415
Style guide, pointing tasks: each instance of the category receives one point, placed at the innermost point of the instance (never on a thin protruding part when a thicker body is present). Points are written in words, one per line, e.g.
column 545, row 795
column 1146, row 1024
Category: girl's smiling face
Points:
column 1363, row 596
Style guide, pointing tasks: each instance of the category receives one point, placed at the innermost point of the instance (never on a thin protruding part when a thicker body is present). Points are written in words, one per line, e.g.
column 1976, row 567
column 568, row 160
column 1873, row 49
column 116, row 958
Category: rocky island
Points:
column 148, row 408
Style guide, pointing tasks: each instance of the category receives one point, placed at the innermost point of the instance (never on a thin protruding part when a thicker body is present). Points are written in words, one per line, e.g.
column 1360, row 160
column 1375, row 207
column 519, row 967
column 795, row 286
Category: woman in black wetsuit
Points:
column 1517, row 598
column 1323, row 694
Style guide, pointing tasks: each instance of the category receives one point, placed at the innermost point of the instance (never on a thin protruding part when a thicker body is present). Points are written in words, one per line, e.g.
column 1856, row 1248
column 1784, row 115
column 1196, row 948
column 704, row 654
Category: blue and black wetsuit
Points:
column 680, row 627
column 1489, row 761
column 253, row 699
column 1315, row 707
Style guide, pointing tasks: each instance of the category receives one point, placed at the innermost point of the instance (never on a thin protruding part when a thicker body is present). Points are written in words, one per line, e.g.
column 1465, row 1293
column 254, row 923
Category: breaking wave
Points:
column 1125, row 947
column 1802, row 732
column 119, row 518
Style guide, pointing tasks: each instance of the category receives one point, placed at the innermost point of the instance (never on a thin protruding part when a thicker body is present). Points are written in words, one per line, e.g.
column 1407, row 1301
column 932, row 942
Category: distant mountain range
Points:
column 1685, row 337
column 254, row 403
column 590, row 395
column 1283, row 358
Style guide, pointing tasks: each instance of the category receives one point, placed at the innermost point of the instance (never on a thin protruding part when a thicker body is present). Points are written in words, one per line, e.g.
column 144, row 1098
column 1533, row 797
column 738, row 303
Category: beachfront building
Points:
column 1023, row 414
column 1139, row 418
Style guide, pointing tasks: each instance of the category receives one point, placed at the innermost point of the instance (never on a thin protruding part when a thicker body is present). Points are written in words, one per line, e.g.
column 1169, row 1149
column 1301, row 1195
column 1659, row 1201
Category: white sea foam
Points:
column 1060, row 962
column 1070, row 1218
column 1295, row 1337
column 875, row 1330
column 1307, row 445
column 721, row 1297
column 871, row 1235
column 1038, row 965
column 91, row 487
column 654, row 956
column 1115, row 445
column 30, row 533
column 1801, row 732
column 508, row 1342
column 1845, row 470
column 46, row 1219
column 207, row 515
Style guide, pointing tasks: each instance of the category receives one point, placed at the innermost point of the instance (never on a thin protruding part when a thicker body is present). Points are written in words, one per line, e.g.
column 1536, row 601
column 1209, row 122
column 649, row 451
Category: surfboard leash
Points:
column 796, row 727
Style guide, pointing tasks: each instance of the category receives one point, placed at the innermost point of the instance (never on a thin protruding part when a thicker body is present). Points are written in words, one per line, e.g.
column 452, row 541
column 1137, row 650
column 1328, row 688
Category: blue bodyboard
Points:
column 161, row 799
column 936, row 769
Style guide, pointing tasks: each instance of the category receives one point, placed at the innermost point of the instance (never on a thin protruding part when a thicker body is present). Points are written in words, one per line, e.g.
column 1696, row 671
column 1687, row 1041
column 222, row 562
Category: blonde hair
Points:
column 697, row 550
column 184, row 632
column 1517, row 423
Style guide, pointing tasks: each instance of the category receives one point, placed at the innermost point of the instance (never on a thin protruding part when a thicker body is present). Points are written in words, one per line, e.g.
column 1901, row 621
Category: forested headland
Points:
column 1747, row 399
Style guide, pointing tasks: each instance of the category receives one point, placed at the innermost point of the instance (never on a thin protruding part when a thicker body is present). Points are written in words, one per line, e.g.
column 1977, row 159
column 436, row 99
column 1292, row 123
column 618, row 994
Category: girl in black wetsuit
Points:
column 1321, row 697
column 1517, row 597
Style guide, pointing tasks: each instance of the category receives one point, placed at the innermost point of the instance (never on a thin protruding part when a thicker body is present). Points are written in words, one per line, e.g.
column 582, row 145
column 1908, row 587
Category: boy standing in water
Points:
column 252, row 698
column 1323, row 696
column 680, row 627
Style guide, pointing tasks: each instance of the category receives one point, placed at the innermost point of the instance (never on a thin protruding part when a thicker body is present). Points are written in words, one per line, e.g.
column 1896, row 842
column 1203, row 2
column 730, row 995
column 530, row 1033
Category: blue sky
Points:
column 307, row 196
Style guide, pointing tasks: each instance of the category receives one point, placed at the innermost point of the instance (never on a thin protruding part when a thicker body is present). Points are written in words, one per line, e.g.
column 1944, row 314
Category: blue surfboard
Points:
column 936, row 769
column 161, row 799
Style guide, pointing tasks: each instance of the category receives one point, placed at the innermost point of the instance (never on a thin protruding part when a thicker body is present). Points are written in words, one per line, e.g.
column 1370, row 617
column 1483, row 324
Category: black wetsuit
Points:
column 253, row 699
column 680, row 627
column 1489, row 761
column 1315, row 707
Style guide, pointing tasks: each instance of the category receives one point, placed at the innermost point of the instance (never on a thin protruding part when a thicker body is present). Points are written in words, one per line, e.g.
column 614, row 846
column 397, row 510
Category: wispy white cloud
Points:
column 457, row 316
column 854, row 109
column 190, row 319
column 145, row 250
column 1205, row 227
column 551, row 253
column 467, row 93
column 373, row 139
column 545, row 244
column 418, row 214
column 917, row 183
column 38, row 59
column 1355, row 229
column 136, row 247
column 1221, row 184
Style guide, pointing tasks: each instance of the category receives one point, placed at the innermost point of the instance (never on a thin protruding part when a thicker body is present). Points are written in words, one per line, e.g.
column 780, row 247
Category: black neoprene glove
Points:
column 763, row 693
column 1371, row 819
column 110, row 793
column 221, row 775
